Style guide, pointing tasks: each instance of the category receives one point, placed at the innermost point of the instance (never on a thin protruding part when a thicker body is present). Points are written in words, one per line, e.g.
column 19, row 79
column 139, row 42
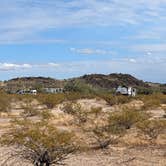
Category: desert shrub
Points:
column 72, row 96
column 105, row 131
column 75, row 109
column 125, row 119
column 162, row 98
column 38, row 142
column 5, row 102
column 51, row 100
column 95, row 111
column 103, row 136
column 68, row 108
column 152, row 101
column 164, row 116
column 145, row 91
column 116, row 99
column 152, row 128
column 164, row 91
column 78, row 86
column 29, row 111
column 151, row 104
column 28, row 108
column 46, row 115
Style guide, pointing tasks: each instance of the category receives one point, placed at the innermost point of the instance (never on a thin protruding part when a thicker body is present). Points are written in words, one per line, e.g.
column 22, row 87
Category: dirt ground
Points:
column 122, row 156
column 113, row 156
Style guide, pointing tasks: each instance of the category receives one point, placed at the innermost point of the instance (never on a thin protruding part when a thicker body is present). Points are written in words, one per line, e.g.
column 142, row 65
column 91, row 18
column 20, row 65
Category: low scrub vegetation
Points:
column 152, row 101
column 80, row 115
column 5, row 102
column 152, row 128
column 115, row 99
column 40, row 142
column 51, row 100
column 125, row 119
column 28, row 108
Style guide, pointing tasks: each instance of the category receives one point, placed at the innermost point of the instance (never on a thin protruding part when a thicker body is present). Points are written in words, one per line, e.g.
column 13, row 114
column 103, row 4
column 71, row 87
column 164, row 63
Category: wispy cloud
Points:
column 18, row 67
column 144, row 67
column 90, row 51
column 12, row 66
column 150, row 48
column 24, row 19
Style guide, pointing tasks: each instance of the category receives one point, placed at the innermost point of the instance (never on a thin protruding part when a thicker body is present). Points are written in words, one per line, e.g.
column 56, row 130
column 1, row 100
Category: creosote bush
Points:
column 51, row 100
column 38, row 142
column 152, row 101
column 115, row 99
column 29, row 110
column 5, row 102
column 125, row 119
column 80, row 115
column 152, row 128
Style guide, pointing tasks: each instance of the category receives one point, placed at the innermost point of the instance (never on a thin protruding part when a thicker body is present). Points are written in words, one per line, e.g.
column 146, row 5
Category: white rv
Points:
column 22, row 92
column 130, row 91
column 53, row 90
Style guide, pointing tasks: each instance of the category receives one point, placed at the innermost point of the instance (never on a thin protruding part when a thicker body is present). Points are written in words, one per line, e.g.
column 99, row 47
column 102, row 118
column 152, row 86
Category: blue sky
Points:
column 68, row 38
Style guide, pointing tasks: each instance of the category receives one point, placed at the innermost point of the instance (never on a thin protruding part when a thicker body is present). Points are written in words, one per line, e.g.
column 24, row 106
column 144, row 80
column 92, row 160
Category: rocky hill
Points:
column 112, row 80
column 95, row 80
column 32, row 83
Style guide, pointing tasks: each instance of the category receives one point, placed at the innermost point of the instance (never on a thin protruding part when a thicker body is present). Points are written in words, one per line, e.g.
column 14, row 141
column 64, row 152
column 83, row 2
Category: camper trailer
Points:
column 129, row 91
column 23, row 92
column 53, row 90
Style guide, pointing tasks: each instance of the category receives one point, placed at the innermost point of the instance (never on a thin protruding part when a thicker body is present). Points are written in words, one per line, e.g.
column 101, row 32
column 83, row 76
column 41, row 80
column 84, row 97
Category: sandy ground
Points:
column 121, row 157
column 114, row 156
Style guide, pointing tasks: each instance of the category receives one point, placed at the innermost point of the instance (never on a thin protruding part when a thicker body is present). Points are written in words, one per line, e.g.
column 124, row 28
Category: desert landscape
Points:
column 83, row 82
column 93, row 129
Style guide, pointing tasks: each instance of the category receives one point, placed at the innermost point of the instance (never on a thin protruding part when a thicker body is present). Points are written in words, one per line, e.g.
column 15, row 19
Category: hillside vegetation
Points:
column 95, row 82
column 51, row 128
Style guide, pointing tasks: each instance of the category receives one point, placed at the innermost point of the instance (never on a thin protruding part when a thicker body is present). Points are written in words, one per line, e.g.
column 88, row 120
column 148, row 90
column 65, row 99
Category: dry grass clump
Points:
column 5, row 102
column 125, row 119
column 80, row 115
column 72, row 96
column 115, row 99
column 40, row 143
column 22, row 97
column 29, row 110
column 153, row 100
column 152, row 128
column 50, row 100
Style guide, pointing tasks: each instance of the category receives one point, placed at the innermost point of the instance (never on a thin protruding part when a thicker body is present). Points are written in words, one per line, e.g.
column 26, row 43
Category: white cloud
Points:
column 146, row 67
column 132, row 60
column 12, row 66
column 90, row 51
column 150, row 48
column 24, row 19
